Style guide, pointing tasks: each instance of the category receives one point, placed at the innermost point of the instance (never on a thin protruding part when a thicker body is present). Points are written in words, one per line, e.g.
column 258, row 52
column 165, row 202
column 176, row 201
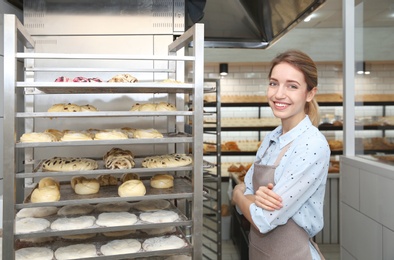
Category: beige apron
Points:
column 288, row 241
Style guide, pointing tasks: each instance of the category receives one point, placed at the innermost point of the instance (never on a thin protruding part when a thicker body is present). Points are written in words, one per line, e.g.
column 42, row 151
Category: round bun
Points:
column 83, row 186
column 162, row 181
column 48, row 181
column 45, row 194
column 132, row 188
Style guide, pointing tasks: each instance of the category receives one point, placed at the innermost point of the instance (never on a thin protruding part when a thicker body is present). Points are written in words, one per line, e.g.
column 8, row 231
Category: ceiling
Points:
column 322, row 36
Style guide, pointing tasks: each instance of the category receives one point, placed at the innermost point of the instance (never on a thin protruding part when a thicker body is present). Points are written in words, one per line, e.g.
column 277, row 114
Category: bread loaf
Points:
column 162, row 181
column 84, row 186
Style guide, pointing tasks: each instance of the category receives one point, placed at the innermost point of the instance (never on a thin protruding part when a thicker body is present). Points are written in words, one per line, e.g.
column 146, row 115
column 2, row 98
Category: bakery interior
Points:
column 350, row 41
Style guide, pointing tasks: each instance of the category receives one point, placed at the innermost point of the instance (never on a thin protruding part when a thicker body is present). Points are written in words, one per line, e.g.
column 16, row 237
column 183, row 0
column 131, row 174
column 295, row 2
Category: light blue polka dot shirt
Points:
column 300, row 178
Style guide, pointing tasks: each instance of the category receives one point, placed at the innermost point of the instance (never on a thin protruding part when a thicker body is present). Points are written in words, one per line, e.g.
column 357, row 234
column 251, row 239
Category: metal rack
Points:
column 212, row 240
column 21, row 167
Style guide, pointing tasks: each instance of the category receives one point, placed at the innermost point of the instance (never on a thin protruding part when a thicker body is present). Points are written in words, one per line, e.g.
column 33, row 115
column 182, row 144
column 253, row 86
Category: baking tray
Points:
column 107, row 194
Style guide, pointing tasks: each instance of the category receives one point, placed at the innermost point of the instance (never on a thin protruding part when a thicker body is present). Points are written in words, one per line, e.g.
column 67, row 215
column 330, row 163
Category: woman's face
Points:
column 287, row 94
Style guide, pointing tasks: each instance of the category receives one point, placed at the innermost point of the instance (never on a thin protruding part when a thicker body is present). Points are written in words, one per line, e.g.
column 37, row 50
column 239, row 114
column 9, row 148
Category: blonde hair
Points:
column 308, row 67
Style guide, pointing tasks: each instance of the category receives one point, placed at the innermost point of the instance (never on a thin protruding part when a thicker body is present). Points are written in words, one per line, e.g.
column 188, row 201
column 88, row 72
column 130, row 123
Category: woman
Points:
column 283, row 192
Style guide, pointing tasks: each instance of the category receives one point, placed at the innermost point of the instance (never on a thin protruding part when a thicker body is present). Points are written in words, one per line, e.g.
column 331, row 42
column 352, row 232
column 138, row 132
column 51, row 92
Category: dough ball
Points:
column 132, row 188
column 162, row 181
column 45, row 194
column 160, row 216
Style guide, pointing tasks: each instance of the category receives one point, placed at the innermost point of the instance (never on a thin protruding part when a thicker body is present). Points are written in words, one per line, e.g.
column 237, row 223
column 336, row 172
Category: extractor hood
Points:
column 253, row 24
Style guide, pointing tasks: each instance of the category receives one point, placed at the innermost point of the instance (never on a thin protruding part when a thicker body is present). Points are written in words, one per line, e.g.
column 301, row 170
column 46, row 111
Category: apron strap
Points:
column 282, row 152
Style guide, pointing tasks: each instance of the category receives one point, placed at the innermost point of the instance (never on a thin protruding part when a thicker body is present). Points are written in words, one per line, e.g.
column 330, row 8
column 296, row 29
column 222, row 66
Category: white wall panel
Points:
column 376, row 198
column 361, row 235
column 349, row 185
column 388, row 248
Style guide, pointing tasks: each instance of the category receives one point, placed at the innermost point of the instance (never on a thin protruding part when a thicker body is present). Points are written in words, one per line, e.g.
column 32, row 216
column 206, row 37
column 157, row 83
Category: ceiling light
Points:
column 308, row 18
column 223, row 69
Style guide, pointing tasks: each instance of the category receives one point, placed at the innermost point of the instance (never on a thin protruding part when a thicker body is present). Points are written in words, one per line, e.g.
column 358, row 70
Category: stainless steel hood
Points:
column 253, row 24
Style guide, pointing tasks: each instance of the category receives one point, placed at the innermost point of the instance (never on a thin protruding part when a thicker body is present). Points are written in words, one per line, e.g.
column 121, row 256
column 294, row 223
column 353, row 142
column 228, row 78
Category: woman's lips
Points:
column 280, row 105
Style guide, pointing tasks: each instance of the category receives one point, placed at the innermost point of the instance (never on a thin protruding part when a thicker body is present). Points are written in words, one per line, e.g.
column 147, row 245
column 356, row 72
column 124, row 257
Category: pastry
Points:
column 107, row 180
column 118, row 158
column 37, row 137
column 132, row 188
column 110, row 135
column 85, row 186
column 88, row 108
column 45, row 194
column 48, row 181
column 162, row 181
column 124, row 78
column 147, row 133
column 129, row 176
column 59, row 164
column 165, row 161
column 76, row 136
column 57, row 133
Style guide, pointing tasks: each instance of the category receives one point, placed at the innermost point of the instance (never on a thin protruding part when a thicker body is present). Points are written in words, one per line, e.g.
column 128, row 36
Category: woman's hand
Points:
column 267, row 199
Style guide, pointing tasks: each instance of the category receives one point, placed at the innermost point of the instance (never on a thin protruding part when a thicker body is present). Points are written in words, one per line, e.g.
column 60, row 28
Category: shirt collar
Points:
column 290, row 136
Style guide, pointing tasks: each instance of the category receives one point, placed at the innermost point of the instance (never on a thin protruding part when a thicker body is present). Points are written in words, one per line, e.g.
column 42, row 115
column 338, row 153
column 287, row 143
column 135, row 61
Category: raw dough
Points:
column 132, row 188
column 163, row 243
column 121, row 246
column 35, row 253
column 66, row 164
column 72, row 210
column 159, row 216
column 73, row 223
column 151, row 205
column 77, row 251
column 113, row 207
column 114, row 219
column 162, row 181
column 28, row 225
column 36, row 212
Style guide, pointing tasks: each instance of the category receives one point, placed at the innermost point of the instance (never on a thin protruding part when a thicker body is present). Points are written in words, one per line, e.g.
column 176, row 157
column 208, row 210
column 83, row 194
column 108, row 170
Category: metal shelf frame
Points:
column 19, row 159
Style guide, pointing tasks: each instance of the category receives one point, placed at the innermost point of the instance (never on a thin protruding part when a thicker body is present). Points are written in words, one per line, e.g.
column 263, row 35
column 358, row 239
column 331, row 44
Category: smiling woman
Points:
column 283, row 191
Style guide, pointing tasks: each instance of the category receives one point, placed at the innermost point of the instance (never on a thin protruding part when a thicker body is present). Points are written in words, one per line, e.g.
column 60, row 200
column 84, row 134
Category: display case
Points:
column 23, row 161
